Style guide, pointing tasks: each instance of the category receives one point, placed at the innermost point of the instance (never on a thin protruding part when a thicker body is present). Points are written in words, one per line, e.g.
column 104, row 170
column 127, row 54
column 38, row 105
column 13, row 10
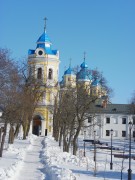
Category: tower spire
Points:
column 84, row 55
column 70, row 62
column 45, row 19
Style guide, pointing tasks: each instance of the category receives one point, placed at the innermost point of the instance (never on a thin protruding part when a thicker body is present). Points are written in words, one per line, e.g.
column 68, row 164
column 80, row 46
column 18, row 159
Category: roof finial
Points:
column 70, row 62
column 84, row 55
column 65, row 68
column 45, row 19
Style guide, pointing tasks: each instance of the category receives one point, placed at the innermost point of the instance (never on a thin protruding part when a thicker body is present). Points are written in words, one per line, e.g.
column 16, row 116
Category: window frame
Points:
column 107, row 118
column 124, row 120
column 50, row 73
column 107, row 132
column 123, row 133
column 39, row 73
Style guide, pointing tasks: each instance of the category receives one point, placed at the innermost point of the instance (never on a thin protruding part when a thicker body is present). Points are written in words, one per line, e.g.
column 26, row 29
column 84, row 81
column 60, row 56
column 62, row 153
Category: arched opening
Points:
column 50, row 74
column 37, row 125
column 39, row 73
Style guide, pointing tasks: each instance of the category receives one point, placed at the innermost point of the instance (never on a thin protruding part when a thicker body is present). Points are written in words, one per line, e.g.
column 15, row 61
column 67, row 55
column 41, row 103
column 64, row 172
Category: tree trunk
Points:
column 60, row 137
column 56, row 128
column 64, row 138
column 17, row 130
column 69, row 140
column 3, row 140
column 0, row 134
column 28, row 128
column 65, row 149
column 53, row 134
column 11, row 135
column 24, row 130
column 75, row 144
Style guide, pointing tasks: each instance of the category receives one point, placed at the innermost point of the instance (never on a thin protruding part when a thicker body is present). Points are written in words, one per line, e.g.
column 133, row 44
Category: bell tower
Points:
column 43, row 64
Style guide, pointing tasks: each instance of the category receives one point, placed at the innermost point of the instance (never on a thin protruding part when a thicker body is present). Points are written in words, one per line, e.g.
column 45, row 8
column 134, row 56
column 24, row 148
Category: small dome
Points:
column 84, row 75
column 44, row 38
column 44, row 43
column 84, row 65
column 69, row 71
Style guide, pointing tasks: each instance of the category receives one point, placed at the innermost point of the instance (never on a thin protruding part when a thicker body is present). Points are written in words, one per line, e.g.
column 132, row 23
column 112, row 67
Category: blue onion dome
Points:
column 69, row 71
column 44, row 42
column 84, row 74
column 96, row 82
column 43, row 38
column 84, row 65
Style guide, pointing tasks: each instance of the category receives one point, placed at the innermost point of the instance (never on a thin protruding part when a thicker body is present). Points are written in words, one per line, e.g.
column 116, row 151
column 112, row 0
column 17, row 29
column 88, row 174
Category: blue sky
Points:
column 104, row 29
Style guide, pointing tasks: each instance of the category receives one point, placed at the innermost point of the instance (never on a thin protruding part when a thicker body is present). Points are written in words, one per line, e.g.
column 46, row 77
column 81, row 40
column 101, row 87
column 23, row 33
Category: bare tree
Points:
column 9, row 86
column 73, row 107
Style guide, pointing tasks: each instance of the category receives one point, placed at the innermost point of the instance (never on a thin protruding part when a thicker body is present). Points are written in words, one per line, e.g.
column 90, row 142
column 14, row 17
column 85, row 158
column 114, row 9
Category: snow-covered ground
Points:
column 40, row 158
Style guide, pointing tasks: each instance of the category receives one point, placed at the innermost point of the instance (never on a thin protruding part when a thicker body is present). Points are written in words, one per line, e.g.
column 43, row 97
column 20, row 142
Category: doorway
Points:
column 36, row 125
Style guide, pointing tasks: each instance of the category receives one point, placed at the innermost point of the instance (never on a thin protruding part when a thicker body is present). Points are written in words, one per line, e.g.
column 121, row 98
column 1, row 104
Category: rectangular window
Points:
column 108, row 120
column 69, row 78
column 123, row 120
column 123, row 133
column 89, row 119
column 133, row 133
column 107, row 132
column 134, row 121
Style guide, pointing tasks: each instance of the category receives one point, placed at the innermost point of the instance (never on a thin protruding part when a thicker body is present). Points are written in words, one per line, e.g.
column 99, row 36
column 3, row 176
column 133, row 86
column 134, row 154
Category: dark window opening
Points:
column 69, row 79
column 108, row 120
column 50, row 74
column 134, row 134
column 123, row 133
column 107, row 133
column 40, row 52
column 89, row 119
column 39, row 73
column 123, row 120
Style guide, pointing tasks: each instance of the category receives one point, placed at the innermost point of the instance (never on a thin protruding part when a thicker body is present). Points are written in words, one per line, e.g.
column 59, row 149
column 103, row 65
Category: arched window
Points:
column 50, row 74
column 39, row 73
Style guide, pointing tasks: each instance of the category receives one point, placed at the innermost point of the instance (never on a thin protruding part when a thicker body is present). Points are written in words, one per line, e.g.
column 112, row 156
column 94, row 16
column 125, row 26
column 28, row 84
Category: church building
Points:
column 43, row 61
column 43, row 64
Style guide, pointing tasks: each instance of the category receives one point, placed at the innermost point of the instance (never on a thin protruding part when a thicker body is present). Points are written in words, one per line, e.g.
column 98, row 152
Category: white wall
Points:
column 115, row 124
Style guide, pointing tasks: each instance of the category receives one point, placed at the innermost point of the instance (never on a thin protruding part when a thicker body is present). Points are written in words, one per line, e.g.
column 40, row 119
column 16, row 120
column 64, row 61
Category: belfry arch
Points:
column 38, row 125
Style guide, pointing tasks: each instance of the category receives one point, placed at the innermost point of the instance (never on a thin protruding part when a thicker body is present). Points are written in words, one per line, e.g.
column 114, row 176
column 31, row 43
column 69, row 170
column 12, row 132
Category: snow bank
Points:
column 53, row 156
column 13, row 156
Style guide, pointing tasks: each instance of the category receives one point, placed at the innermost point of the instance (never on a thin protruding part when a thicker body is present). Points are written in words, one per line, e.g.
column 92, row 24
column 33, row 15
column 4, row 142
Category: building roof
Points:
column 84, row 74
column 44, row 42
column 69, row 71
column 96, row 82
column 111, row 109
column 44, row 38
column 84, row 65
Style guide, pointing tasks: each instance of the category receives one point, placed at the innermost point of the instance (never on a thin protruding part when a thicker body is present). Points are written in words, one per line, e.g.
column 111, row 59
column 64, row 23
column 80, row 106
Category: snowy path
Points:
column 32, row 167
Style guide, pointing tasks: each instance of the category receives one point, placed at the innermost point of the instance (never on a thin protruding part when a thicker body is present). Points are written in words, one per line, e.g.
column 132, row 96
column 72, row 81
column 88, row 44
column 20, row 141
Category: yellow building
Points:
column 43, row 64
